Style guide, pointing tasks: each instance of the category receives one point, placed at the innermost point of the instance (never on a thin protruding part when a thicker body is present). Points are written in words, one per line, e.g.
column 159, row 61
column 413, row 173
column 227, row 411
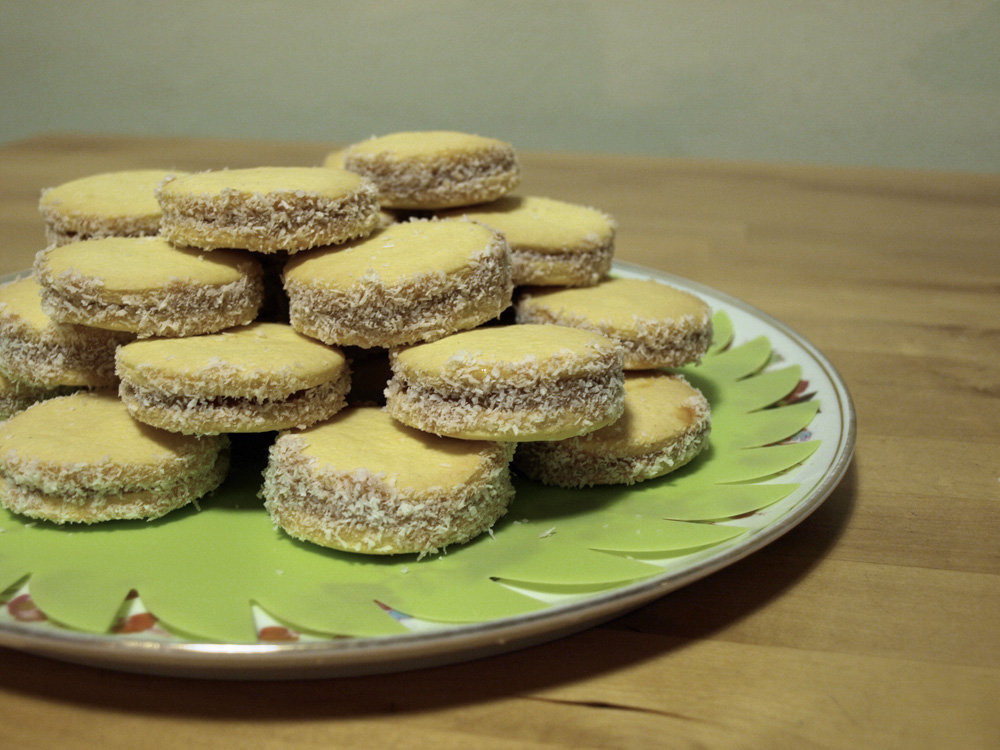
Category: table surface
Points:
column 873, row 623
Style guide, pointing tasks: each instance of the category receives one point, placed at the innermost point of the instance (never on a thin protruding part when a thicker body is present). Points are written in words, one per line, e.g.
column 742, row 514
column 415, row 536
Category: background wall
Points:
column 904, row 83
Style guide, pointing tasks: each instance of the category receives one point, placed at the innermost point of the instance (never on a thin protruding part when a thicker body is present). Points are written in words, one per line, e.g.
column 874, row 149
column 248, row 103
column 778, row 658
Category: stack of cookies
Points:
column 299, row 301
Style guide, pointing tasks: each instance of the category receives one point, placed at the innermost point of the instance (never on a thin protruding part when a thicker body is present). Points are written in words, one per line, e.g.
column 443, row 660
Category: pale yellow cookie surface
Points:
column 249, row 361
column 536, row 223
column 89, row 430
column 296, row 181
column 368, row 439
column 425, row 144
column 500, row 352
column 21, row 299
column 393, row 254
column 620, row 303
column 137, row 264
column 128, row 193
column 659, row 408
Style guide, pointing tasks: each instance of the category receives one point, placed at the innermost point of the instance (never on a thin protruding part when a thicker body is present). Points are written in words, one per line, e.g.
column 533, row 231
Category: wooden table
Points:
column 875, row 623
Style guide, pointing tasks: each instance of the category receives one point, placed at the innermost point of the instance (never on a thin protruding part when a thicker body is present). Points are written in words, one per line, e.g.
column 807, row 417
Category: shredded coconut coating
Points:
column 179, row 308
column 61, row 355
column 93, row 506
column 577, row 268
column 569, row 463
column 651, row 343
column 288, row 221
column 457, row 179
column 535, row 402
column 61, row 229
column 360, row 511
column 423, row 307
column 201, row 415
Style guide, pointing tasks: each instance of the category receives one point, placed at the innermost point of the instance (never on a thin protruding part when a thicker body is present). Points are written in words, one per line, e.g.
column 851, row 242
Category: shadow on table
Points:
column 654, row 631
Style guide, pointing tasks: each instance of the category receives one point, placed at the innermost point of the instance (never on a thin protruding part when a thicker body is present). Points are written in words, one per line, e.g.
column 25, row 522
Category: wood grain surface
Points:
column 875, row 623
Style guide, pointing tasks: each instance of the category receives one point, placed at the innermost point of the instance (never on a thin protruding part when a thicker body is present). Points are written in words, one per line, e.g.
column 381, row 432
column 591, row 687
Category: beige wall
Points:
column 897, row 83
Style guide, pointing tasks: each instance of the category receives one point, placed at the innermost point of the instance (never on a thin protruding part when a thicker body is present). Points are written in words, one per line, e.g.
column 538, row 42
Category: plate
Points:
column 565, row 611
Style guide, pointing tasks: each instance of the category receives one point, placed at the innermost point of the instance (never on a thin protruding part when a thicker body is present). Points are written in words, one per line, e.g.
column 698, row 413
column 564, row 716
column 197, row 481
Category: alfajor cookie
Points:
column 551, row 242
column 415, row 281
column 148, row 286
column 112, row 204
column 508, row 383
column 83, row 459
column 267, row 209
column 255, row 378
column 434, row 168
column 658, row 325
column 362, row 482
column 38, row 353
column 665, row 424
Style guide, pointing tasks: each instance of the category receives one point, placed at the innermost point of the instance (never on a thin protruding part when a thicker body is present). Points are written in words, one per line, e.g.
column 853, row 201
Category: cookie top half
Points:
column 619, row 303
column 267, row 209
column 260, row 360
column 104, row 205
column 368, row 439
column 434, row 168
column 393, row 255
column 518, row 355
column 533, row 222
column 21, row 305
column 128, row 193
column 424, row 145
column 89, row 440
column 659, row 409
column 658, row 325
column 327, row 183
column 126, row 265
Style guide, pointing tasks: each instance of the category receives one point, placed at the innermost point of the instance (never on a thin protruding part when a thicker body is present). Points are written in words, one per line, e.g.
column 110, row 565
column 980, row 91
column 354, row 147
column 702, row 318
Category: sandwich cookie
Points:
column 665, row 424
column 113, row 204
column 83, row 459
column 551, row 242
column 148, row 286
column 256, row 378
column 509, row 383
column 658, row 325
column 433, row 169
column 38, row 353
column 362, row 482
column 415, row 281
column 267, row 209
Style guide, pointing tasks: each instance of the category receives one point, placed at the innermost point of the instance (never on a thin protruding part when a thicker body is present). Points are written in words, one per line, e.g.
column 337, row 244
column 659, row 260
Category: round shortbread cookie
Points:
column 665, row 424
column 39, row 353
column 362, row 482
column 256, row 378
column 268, row 209
column 415, row 281
column 148, row 286
column 658, row 325
column 508, row 383
column 434, row 168
column 113, row 204
column 83, row 459
column 551, row 242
